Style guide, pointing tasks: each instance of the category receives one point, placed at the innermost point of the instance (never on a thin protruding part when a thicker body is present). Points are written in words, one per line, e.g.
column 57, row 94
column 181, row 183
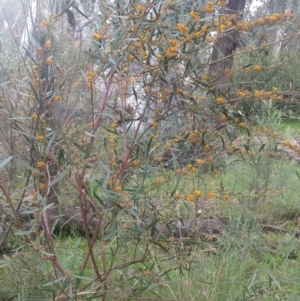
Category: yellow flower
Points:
column 113, row 125
column 198, row 34
column 223, row 118
column 182, row 28
column 193, row 137
column 159, row 57
column 48, row 45
column 242, row 93
column 210, row 160
column 193, row 169
column 34, row 116
column 257, row 93
column 209, row 8
column 256, row 68
column 171, row 52
column 260, row 21
column 274, row 89
column 199, row 161
column 42, row 186
column 35, row 83
column 158, row 159
column 208, row 39
column 195, row 16
column 34, row 173
column 222, row 27
column 288, row 15
column 245, row 26
column 172, row 42
column 41, row 138
column 164, row 244
column 140, row 8
column 118, row 188
column 56, row 98
column 40, row 164
column 197, row 193
column 155, row 124
column 275, row 17
column 190, row 197
column 96, row 36
column 242, row 125
column 49, row 61
column 225, row 197
column 45, row 23
column 204, row 28
column 207, row 147
column 209, row 237
column 220, row 99
column 189, row 166
column 135, row 163
column 111, row 137
column 211, row 195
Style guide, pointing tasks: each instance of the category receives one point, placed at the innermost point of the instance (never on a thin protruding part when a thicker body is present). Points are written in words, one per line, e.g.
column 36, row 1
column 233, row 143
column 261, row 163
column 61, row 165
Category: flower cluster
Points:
column 182, row 28
column 209, row 8
column 91, row 79
column 48, row 45
column 172, row 49
column 45, row 23
column 195, row 15
column 97, row 36
column 49, row 61
column 40, row 164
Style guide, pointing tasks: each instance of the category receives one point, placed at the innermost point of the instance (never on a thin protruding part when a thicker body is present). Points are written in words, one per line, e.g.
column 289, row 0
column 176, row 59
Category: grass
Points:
column 244, row 263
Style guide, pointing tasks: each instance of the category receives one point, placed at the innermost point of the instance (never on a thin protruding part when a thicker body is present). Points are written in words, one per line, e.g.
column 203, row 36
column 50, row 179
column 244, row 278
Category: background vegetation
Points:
column 126, row 128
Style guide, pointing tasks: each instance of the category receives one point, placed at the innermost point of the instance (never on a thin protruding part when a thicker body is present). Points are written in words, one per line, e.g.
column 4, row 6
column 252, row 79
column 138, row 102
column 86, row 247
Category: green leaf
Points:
column 275, row 280
column 91, row 54
column 80, row 147
column 24, row 134
column 52, row 136
column 21, row 233
column 97, row 297
column 75, row 6
column 83, row 278
column 35, row 93
column 59, row 177
column 138, row 230
column 69, row 5
column 158, row 244
column 5, row 161
column 54, row 281
column 61, row 156
column 110, row 235
column 109, row 171
column 26, row 164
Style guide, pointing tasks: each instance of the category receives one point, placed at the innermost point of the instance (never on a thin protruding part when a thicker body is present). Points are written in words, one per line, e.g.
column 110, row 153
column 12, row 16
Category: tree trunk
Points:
column 221, row 58
column 280, row 33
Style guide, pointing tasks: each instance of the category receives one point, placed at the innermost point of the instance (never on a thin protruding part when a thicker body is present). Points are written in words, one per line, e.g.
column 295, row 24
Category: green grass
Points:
column 244, row 263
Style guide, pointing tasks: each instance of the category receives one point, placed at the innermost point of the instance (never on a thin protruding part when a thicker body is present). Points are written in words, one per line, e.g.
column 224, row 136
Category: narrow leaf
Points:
column 5, row 161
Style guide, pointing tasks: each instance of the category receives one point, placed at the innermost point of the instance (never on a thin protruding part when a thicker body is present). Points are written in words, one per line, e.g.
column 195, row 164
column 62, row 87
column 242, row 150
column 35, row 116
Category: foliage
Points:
column 129, row 126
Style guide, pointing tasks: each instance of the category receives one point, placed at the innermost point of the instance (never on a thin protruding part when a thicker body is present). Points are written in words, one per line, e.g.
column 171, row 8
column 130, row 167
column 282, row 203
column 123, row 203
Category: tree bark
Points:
column 221, row 58
column 280, row 33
